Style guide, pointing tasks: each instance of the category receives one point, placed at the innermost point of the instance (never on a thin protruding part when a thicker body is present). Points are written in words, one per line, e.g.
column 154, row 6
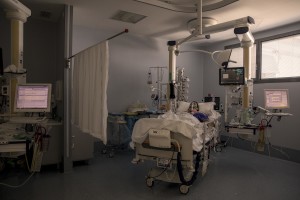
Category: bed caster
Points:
column 218, row 149
column 104, row 151
column 184, row 189
column 150, row 182
column 111, row 154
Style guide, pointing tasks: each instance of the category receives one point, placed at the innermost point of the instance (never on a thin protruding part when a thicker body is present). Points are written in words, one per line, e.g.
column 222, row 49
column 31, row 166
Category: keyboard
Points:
column 279, row 114
column 27, row 120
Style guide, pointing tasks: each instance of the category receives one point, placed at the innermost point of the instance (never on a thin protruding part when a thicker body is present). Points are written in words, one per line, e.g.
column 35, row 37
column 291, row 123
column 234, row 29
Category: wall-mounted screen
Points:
column 231, row 76
column 276, row 98
column 32, row 98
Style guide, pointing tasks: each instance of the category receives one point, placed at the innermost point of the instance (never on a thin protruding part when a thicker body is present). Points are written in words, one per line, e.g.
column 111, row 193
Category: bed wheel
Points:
column 104, row 151
column 150, row 182
column 111, row 154
column 218, row 148
column 184, row 189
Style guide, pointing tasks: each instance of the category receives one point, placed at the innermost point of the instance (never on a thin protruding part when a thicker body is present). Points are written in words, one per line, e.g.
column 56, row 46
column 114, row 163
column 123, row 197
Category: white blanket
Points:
column 183, row 123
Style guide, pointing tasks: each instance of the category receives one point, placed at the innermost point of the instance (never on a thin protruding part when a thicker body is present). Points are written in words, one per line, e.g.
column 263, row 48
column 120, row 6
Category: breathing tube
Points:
column 180, row 169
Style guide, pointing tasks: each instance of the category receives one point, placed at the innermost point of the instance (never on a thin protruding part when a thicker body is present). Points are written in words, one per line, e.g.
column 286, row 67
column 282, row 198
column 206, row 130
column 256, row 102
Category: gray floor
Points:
column 232, row 174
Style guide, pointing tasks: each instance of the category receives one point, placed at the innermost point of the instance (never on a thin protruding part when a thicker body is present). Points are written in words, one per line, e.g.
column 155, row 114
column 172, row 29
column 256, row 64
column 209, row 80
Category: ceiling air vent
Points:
column 45, row 14
column 129, row 17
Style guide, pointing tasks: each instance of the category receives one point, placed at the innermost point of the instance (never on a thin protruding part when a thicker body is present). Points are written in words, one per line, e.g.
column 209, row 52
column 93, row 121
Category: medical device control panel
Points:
column 160, row 138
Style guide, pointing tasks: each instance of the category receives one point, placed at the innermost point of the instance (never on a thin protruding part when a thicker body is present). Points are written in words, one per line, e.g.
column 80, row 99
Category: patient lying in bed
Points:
column 177, row 142
column 182, row 122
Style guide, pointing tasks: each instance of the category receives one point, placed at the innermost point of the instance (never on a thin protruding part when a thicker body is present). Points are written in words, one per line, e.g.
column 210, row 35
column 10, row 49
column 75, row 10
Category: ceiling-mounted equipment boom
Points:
column 14, row 5
column 18, row 14
column 186, row 9
column 242, row 31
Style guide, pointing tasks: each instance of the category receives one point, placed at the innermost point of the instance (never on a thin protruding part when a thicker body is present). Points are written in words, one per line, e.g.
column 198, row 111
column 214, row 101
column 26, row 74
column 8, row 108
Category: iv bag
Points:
column 149, row 81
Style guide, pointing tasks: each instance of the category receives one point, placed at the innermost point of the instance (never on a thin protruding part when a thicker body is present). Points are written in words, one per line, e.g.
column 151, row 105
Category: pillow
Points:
column 206, row 107
column 183, row 106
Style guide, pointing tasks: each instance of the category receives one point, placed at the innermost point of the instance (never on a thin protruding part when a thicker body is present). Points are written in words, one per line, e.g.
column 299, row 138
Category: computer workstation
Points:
column 276, row 100
column 31, row 113
column 31, row 103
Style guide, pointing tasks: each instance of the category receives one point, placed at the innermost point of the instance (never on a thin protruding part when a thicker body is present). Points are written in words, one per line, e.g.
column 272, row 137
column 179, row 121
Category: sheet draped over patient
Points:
column 184, row 123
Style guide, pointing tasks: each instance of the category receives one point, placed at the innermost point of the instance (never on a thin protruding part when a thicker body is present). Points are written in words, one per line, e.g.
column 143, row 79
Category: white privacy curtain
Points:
column 89, row 85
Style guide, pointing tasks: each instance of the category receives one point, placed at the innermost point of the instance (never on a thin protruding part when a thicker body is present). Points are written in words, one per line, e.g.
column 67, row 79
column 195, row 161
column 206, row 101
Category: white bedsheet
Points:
column 183, row 123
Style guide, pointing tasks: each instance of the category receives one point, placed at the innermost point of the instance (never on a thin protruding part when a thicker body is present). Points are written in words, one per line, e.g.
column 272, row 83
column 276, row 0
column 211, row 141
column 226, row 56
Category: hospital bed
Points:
column 178, row 143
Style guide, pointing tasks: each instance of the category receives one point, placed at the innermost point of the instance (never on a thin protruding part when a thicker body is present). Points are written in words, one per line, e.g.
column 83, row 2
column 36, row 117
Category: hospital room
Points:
column 149, row 99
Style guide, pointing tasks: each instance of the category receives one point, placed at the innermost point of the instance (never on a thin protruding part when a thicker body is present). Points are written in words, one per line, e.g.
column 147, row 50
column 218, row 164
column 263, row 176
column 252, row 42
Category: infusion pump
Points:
column 8, row 85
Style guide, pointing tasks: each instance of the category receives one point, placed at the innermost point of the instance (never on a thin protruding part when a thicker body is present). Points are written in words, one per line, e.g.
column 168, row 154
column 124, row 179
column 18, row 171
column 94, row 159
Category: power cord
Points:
column 22, row 184
column 280, row 150
column 17, row 186
column 165, row 169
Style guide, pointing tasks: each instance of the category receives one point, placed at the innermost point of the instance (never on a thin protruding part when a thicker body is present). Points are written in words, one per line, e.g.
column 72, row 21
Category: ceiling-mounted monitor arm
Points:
column 242, row 31
column 240, row 26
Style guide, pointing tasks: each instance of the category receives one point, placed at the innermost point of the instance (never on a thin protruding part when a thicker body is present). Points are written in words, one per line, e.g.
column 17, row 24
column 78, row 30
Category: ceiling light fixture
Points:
column 206, row 21
column 129, row 17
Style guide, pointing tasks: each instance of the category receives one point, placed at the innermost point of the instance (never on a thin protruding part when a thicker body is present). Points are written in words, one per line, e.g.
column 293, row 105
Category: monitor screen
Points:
column 232, row 76
column 32, row 98
column 276, row 98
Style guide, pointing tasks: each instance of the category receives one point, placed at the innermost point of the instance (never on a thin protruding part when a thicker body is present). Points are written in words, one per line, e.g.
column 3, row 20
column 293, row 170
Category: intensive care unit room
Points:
column 149, row 99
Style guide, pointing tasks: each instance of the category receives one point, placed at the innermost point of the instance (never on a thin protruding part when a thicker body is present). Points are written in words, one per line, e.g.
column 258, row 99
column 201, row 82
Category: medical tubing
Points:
column 177, row 143
column 180, row 169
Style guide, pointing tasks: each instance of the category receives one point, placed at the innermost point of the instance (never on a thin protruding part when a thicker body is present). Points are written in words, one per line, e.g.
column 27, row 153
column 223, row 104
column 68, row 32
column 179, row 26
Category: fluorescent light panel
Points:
column 129, row 17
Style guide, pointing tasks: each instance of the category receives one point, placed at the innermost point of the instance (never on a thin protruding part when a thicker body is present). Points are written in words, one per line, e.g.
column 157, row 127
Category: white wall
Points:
column 284, row 133
column 40, row 51
column 130, row 58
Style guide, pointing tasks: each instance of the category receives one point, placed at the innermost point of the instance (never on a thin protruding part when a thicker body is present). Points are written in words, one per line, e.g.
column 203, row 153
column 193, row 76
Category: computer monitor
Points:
column 232, row 76
column 32, row 98
column 276, row 98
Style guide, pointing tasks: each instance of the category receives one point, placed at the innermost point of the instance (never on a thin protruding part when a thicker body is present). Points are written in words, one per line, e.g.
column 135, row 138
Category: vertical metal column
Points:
column 67, row 159
column 172, row 75
column 17, row 19
column 248, row 87
column 17, row 32
column 199, row 17
column 18, row 16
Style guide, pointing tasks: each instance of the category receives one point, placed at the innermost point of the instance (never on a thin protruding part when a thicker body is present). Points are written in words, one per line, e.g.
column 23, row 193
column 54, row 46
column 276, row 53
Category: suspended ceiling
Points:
column 166, row 24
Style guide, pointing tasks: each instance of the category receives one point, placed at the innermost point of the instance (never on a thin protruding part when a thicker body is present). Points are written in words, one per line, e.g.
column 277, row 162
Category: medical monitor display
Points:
column 276, row 98
column 231, row 76
column 32, row 98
